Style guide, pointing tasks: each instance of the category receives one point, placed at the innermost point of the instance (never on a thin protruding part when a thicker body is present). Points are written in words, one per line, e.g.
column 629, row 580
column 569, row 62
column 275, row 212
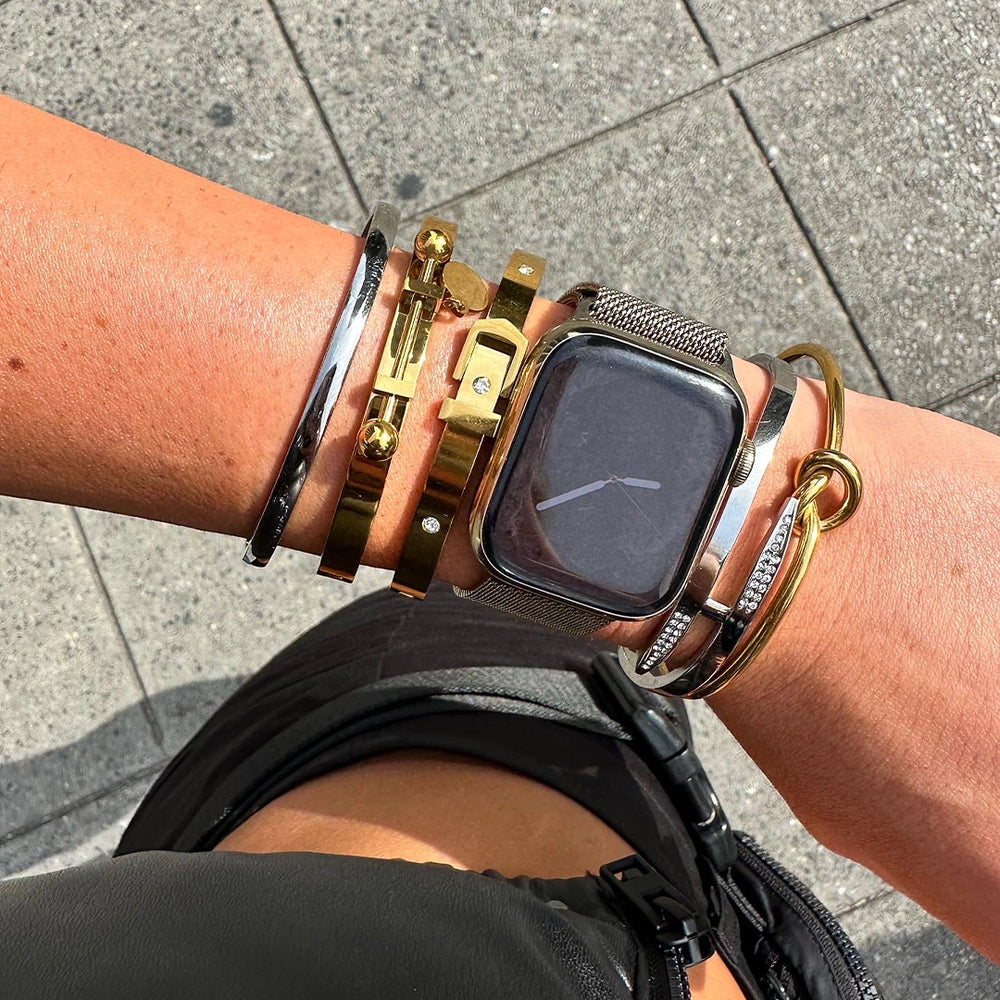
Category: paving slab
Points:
column 198, row 619
column 886, row 137
column 211, row 87
column 744, row 33
column 680, row 209
column 429, row 100
column 88, row 833
column 981, row 408
column 71, row 721
column 915, row 957
column 754, row 805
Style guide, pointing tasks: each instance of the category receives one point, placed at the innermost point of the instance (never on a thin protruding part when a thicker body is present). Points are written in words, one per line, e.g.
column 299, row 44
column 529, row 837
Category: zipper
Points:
column 676, row 974
column 740, row 902
column 668, row 978
column 854, row 981
column 672, row 936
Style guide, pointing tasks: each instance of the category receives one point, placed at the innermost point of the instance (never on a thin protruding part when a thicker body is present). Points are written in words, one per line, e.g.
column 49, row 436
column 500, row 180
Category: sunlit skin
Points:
column 158, row 335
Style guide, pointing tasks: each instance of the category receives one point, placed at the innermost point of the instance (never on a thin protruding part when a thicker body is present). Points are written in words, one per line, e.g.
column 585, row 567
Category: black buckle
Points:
column 675, row 764
column 650, row 895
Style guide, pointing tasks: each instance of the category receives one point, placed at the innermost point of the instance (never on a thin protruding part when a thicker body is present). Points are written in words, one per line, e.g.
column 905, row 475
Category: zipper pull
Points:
column 649, row 894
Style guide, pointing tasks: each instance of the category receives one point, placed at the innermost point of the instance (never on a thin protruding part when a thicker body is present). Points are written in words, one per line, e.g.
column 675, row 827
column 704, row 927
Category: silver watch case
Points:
column 533, row 366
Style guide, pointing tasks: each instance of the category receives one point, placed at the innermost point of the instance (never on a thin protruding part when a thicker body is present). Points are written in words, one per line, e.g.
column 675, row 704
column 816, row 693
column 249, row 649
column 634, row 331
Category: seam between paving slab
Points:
column 317, row 104
column 702, row 33
column 869, row 900
column 807, row 233
column 676, row 99
column 148, row 711
column 968, row 390
column 555, row 154
column 816, row 40
column 810, row 237
column 149, row 771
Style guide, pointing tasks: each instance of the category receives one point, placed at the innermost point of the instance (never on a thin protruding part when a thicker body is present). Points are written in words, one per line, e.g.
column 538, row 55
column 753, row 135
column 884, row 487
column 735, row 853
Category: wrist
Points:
column 423, row 429
column 309, row 525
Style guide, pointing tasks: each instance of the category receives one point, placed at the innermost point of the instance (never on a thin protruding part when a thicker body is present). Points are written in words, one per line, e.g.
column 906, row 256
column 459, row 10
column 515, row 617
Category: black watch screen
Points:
column 613, row 476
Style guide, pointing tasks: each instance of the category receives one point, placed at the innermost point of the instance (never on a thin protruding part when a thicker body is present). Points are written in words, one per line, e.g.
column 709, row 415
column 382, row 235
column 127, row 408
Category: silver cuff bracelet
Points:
column 378, row 236
column 658, row 666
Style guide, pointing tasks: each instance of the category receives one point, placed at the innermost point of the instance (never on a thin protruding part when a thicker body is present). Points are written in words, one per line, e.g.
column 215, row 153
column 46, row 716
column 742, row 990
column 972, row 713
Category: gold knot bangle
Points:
column 813, row 476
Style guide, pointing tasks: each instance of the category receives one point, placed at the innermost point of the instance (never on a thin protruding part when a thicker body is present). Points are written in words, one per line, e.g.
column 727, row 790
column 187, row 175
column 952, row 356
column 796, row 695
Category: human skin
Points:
column 158, row 334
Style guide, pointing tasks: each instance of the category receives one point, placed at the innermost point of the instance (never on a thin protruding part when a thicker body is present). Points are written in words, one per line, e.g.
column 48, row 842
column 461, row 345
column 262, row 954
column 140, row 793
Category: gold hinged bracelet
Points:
column 432, row 279
column 487, row 367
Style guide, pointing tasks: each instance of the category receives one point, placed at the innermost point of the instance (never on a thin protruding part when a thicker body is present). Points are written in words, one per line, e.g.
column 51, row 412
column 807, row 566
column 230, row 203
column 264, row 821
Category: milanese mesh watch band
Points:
column 651, row 322
column 642, row 319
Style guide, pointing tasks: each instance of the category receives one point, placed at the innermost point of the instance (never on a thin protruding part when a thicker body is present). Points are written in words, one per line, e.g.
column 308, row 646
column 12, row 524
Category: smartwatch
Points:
column 626, row 434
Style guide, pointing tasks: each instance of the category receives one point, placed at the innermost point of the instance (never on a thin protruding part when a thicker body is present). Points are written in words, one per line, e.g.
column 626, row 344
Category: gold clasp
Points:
column 487, row 366
column 502, row 333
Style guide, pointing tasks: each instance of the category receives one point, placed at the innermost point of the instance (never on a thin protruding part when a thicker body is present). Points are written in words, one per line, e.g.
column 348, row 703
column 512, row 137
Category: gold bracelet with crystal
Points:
column 432, row 279
column 487, row 367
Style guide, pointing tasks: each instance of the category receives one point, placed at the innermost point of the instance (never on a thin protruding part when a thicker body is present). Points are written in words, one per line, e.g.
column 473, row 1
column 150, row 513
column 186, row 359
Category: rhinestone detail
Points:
column 431, row 525
column 481, row 385
column 767, row 566
column 671, row 634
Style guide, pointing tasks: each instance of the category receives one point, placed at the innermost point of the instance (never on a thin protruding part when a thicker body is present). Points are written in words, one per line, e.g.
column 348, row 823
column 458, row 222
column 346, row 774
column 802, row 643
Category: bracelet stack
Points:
column 486, row 370
column 621, row 469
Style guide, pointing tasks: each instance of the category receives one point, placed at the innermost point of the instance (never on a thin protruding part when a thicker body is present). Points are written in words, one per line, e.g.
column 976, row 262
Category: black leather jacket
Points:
column 167, row 918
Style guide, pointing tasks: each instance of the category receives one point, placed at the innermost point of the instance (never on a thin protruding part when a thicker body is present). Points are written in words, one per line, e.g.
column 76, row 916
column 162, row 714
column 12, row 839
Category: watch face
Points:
column 612, row 476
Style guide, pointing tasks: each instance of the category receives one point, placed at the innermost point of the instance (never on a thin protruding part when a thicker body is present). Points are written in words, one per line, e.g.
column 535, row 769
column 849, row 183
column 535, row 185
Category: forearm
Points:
column 159, row 334
column 875, row 709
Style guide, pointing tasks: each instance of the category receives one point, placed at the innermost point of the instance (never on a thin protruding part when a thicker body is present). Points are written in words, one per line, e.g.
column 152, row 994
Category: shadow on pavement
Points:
column 52, row 788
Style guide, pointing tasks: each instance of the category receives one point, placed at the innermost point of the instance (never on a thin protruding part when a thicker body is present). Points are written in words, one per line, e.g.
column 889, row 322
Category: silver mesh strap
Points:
column 642, row 319
column 536, row 607
column 652, row 322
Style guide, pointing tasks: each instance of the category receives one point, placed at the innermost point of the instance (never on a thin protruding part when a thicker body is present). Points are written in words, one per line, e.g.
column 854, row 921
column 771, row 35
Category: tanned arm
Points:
column 158, row 336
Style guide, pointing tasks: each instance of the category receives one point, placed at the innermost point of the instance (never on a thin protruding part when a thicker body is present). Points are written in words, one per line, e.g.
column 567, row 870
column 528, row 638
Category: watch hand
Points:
column 620, row 483
column 645, row 484
column 580, row 491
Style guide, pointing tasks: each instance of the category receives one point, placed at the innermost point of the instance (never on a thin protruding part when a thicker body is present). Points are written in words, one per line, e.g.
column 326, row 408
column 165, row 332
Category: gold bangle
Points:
column 814, row 474
column 432, row 279
column 487, row 367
